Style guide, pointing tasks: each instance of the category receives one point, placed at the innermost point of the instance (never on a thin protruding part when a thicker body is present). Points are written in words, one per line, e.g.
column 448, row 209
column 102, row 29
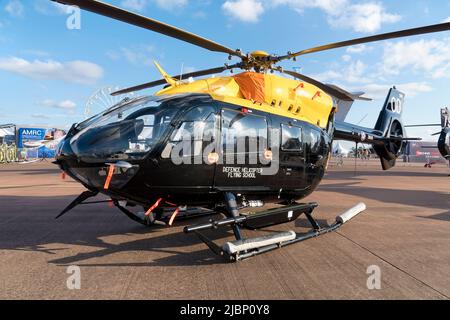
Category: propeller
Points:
column 187, row 75
column 422, row 125
column 258, row 61
column 335, row 91
column 353, row 95
column 379, row 37
column 117, row 13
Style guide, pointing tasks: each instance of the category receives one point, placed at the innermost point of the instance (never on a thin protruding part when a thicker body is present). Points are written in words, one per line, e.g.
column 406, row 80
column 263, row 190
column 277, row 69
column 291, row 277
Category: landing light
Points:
column 268, row 155
column 213, row 157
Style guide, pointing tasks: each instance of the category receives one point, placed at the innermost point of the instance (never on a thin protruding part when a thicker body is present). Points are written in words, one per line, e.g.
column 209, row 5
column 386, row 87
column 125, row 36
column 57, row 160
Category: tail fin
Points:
column 390, row 126
column 387, row 138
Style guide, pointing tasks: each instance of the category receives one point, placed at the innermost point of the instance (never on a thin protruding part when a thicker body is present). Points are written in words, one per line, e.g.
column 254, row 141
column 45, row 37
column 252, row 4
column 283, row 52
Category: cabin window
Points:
column 199, row 113
column 243, row 132
column 291, row 138
column 312, row 138
column 197, row 125
column 198, row 129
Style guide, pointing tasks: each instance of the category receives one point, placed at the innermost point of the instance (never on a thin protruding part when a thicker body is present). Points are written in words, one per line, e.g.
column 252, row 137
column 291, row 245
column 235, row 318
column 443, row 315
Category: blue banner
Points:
column 30, row 134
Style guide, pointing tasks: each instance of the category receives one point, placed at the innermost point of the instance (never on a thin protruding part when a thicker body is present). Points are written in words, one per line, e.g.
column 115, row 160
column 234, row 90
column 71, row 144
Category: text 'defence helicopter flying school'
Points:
column 223, row 144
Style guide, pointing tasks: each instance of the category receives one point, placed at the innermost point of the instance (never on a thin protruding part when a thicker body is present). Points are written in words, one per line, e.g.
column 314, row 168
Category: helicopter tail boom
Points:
column 387, row 138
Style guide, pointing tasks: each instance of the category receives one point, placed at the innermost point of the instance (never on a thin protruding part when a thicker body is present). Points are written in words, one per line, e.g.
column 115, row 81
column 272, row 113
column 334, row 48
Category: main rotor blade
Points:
column 187, row 75
column 354, row 96
column 340, row 94
column 117, row 13
column 422, row 125
column 379, row 37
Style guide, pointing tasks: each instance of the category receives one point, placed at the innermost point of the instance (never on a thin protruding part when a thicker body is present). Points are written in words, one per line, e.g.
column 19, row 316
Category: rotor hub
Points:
column 259, row 54
column 259, row 60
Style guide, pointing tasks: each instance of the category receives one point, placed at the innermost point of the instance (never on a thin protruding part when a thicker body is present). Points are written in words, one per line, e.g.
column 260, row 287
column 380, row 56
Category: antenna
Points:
column 181, row 72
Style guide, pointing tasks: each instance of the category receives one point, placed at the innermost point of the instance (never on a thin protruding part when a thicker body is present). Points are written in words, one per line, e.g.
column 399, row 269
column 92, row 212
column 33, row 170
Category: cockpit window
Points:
column 126, row 132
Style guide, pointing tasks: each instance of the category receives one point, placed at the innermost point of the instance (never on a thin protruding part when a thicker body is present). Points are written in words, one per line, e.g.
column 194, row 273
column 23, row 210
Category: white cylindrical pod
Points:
column 351, row 213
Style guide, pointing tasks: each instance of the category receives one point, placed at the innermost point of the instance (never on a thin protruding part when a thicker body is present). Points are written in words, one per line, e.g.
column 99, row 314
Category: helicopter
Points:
column 443, row 143
column 224, row 144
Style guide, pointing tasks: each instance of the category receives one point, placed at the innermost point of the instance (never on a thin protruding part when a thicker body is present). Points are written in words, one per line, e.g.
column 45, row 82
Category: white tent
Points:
column 6, row 132
column 338, row 149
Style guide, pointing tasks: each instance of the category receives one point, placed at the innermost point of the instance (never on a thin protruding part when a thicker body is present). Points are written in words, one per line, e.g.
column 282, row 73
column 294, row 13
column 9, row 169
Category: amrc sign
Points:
column 27, row 134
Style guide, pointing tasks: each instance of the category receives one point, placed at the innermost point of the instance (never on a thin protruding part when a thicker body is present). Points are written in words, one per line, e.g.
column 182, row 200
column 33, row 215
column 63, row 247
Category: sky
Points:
column 49, row 71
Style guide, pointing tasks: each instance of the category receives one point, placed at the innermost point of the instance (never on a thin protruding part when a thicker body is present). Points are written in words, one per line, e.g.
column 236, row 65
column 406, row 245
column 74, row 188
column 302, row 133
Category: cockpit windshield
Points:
column 126, row 131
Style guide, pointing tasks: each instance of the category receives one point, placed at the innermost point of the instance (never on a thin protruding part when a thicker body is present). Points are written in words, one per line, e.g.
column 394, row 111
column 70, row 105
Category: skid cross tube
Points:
column 245, row 248
column 263, row 219
column 298, row 238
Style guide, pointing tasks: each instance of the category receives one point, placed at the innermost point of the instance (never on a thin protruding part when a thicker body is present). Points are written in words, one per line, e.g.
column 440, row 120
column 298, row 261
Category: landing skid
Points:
column 242, row 249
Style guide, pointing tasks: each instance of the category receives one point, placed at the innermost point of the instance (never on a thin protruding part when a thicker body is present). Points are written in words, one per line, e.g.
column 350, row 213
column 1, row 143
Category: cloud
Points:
column 429, row 56
column 15, row 8
column 66, row 105
column 171, row 4
column 346, row 58
column 200, row 15
column 446, row 20
column 365, row 17
column 355, row 72
column 140, row 5
column 244, row 10
column 136, row 55
column 379, row 91
column 49, row 8
column 40, row 116
column 35, row 52
column 361, row 48
column 81, row 72
column 137, row 5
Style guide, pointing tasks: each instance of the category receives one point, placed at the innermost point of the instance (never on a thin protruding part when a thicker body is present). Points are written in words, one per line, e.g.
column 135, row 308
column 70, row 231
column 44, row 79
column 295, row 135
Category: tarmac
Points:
column 403, row 237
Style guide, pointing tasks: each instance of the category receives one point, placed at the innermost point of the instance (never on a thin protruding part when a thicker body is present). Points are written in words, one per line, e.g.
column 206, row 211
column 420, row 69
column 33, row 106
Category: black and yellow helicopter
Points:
column 443, row 143
column 224, row 143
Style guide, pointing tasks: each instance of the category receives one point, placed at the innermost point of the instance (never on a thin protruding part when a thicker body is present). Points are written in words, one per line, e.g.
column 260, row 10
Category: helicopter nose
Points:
column 65, row 156
column 94, row 176
column 64, row 150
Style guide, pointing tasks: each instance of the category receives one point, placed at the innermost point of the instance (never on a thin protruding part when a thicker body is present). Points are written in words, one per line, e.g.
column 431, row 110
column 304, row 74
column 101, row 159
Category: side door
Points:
column 244, row 141
column 292, row 157
column 182, row 159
